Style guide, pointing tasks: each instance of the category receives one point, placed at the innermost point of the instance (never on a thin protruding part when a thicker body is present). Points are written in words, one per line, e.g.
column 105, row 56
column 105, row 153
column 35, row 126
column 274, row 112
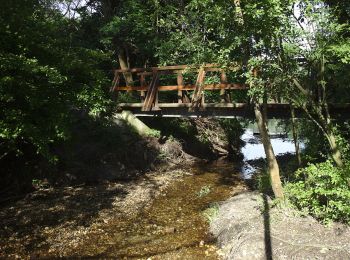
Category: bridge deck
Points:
column 223, row 110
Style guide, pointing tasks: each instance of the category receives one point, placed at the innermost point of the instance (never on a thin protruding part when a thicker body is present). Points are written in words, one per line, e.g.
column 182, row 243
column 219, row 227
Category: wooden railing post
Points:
column 156, row 101
column 180, row 85
column 223, row 93
column 142, row 84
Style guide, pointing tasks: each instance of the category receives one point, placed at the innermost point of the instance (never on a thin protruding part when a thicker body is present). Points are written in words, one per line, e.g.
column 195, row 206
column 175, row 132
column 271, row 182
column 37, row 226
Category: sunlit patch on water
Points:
column 254, row 149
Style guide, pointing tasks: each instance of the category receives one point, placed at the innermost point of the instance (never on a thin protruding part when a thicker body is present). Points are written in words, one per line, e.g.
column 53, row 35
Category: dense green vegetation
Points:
column 47, row 70
column 56, row 58
column 322, row 190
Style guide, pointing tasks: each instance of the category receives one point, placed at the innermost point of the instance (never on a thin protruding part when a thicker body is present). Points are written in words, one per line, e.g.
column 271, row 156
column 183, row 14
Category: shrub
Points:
column 323, row 191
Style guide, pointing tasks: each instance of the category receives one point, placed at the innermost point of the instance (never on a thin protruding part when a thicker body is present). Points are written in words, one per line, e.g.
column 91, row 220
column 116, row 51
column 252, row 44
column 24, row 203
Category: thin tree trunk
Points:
column 326, row 127
column 295, row 136
column 273, row 167
column 123, row 62
column 324, row 122
column 335, row 152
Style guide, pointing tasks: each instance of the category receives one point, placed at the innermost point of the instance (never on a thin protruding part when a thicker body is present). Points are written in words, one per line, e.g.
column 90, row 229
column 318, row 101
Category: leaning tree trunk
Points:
column 273, row 167
column 335, row 151
column 320, row 116
column 295, row 136
column 274, row 171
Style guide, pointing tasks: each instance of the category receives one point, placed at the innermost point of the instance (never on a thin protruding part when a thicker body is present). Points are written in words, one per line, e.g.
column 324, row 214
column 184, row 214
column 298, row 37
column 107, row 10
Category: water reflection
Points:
column 254, row 149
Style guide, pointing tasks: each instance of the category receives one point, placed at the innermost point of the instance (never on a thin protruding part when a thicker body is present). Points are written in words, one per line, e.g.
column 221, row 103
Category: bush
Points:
column 323, row 191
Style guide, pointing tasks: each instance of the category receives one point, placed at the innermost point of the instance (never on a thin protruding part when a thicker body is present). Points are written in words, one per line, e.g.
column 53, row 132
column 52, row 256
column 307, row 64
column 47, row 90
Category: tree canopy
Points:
column 56, row 56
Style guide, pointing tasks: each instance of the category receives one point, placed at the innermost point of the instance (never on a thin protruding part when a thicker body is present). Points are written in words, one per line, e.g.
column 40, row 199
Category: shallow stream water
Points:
column 175, row 224
column 254, row 149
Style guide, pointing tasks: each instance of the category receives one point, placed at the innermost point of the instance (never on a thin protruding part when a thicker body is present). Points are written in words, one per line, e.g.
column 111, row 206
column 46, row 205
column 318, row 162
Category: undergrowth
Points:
column 322, row 190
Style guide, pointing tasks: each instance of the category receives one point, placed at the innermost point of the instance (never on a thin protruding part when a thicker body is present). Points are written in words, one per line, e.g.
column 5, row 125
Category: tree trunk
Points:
column 140, row 127
column 335, row 152
column 323, row 120
column 295, row 136
column 123, row 62
column 273, row 167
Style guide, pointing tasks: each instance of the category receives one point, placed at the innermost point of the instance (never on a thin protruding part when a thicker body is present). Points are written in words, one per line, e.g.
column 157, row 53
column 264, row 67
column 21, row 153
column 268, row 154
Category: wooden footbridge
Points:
column 190, row 98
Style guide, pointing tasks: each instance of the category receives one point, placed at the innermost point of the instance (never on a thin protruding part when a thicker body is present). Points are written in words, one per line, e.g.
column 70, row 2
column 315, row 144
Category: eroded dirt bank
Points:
column 247, row 227
column 162, row 215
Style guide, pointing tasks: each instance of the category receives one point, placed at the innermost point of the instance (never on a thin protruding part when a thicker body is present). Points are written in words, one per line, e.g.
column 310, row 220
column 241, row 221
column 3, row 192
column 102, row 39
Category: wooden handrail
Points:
column 150, row 70
column 184, row 87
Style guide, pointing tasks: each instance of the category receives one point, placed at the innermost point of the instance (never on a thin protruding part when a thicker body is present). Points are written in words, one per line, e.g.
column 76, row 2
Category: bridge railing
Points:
column 149, row 89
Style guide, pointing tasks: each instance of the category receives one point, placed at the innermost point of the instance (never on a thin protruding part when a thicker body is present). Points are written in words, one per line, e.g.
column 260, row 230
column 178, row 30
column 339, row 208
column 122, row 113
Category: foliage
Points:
column 154, row 133
column 263, row 182
column 322, row 190
column 211, row 212
column 233, row 128
column 44, row 74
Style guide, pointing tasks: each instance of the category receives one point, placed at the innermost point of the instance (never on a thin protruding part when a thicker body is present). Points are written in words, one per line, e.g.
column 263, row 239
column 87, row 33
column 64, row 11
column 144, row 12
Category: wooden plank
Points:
column 143, row 84
column 162, row 68
column 198, row 91
column 180, row 85
column 185, row 98
column 155, row 105
column 151, row 93
column 223, row 80
column 187, row 87
column 187, row 105
column 207, row 67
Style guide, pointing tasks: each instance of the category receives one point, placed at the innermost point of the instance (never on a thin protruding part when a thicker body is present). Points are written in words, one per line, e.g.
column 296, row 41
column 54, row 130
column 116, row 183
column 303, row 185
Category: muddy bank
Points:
column 202, row 137
column 98, row 151
column 248, row 227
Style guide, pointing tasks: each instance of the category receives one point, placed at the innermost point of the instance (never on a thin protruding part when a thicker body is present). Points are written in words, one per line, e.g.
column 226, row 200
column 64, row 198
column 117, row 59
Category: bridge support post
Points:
column 223, row 93
column 142, row 84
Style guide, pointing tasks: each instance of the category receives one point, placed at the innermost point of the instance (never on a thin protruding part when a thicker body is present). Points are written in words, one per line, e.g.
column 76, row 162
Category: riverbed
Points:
column 162, row 215
column 175, row 224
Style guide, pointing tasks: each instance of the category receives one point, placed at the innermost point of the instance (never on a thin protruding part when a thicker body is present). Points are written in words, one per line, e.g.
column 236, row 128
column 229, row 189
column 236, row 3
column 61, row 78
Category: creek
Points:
column 254, row 150
column 175, row 224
